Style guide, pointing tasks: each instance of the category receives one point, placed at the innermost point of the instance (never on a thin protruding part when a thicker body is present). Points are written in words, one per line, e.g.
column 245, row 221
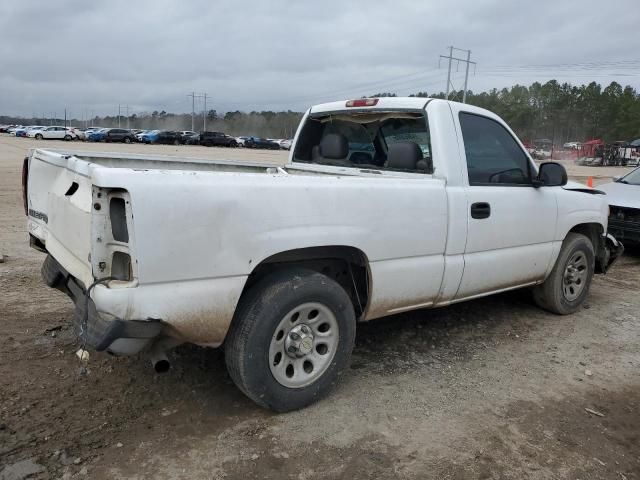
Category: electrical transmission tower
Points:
column 467, row 61
column 193, row 96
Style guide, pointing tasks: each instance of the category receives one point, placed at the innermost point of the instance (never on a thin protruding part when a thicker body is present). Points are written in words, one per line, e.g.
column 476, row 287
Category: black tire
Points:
column 39, row 136
column 67, row 137
column 550, row 295
column 259, row 313
column 127, row 140
column 233, row 144
column 176, row 142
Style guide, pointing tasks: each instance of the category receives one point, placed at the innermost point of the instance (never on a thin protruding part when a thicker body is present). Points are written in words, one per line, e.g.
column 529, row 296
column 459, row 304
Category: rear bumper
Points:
column 102, row 332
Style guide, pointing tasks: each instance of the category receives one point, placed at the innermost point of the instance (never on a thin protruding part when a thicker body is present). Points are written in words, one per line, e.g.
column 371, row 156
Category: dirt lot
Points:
column 493, row 388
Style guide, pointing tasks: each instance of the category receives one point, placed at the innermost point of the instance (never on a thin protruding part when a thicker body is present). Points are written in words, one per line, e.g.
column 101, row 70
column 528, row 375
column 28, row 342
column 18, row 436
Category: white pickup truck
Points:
column 386, row 205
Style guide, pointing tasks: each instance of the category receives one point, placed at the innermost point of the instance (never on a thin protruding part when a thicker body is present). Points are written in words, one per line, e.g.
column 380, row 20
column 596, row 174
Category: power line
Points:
column 466, row 61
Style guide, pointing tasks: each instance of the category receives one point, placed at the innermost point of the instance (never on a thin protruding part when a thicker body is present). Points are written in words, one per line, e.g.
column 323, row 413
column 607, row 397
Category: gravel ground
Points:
column 493, row 388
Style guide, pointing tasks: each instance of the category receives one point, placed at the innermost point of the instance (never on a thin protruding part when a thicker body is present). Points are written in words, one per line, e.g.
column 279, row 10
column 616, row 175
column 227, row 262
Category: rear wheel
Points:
column 127, row 140
column 176, row 142
column 67, row 137
column 567, row 286
column 290, row 339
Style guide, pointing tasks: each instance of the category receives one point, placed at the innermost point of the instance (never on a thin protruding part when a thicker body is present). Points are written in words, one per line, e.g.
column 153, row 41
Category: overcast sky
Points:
column 254, row 55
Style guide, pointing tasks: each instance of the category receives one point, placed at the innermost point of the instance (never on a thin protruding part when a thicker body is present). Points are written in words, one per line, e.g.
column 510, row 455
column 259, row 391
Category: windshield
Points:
column 632, row 178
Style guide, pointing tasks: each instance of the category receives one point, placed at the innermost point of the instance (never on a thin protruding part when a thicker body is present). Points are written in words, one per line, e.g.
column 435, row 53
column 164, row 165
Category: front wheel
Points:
column 567, row 286
column 290, row 339
column 38, row 136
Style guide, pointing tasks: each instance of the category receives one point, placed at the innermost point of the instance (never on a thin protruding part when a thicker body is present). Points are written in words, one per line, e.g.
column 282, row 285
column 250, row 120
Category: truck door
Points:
column 511, row 224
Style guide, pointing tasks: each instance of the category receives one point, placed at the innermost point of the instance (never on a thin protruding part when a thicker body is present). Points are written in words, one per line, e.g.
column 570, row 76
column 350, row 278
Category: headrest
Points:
column 404, row 155
column 334, row 146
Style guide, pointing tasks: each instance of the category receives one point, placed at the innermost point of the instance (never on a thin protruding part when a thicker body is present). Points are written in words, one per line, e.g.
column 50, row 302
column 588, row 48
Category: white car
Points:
column 51, row 133
column 623, row 195
column 386, row 205
column 285, row 144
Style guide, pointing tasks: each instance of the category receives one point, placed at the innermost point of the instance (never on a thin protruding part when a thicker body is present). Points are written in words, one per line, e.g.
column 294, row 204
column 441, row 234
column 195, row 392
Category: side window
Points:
column 493, row 155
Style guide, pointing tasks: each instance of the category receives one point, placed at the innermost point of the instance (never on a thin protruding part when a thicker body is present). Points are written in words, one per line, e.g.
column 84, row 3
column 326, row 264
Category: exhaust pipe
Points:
column 160, row 361
column 157, row 352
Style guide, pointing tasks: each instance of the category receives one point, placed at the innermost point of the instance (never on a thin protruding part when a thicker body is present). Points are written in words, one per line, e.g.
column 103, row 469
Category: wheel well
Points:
column 348, row 266
column 593, row 231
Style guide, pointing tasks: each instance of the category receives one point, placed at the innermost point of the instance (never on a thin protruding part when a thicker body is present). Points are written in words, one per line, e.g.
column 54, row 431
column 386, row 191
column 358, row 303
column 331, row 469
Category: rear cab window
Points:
column 372, row 139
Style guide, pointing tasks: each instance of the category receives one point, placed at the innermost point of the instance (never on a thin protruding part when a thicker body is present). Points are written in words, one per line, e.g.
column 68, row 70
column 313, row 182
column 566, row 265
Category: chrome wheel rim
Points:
column 303, row 345
column 575, row 276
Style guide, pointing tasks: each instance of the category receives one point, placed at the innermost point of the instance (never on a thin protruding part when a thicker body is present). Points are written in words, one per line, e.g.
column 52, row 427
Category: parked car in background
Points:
column 74, row 132
column 286, row 144
column 217, row 139
column 51, row 133
column 22, row 132
column 5, row 128
column 96, row 135
column 241, row 140
column 571, row 145
column 12, row 130
column 118, row 135
column 257, row 142
column 80, row 134
column 141, row 134
column 166, row 137
column 149, row 136
column 623, row 196
column 186, row 135
column 193, row 140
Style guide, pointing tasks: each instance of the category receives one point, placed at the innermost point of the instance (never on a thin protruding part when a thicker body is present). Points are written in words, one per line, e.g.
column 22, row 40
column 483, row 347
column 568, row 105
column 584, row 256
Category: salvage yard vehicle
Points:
column 386, row 205
column 51, row 133
column 623, row 196
column 257, row 142
column 119, row 135
column 217, row 139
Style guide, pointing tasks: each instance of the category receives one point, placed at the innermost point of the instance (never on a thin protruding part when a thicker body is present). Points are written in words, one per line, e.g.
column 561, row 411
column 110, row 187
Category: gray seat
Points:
column 333, row 149
column 408, row 156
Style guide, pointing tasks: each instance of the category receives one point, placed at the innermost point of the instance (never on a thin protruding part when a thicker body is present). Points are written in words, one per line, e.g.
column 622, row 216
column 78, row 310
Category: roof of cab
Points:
column 383, row 103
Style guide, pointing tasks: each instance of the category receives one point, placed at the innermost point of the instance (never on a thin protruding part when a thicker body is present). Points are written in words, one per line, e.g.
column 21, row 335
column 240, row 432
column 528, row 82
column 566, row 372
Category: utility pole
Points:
column 467, row 61
column 118, row 115
column 65, row 118
column 193, row 109
column 204, row 115
column 127, row 109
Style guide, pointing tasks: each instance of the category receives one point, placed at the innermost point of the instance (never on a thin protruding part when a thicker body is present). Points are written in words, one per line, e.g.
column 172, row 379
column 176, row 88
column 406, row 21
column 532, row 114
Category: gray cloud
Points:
column 90, row 56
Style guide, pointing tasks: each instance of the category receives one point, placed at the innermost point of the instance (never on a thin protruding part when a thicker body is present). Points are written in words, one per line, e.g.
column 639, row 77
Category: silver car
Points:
column 623, row 195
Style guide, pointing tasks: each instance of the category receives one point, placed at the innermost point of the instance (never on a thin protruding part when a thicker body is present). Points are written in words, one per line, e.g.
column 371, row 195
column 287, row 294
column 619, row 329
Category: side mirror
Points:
column 551, row 174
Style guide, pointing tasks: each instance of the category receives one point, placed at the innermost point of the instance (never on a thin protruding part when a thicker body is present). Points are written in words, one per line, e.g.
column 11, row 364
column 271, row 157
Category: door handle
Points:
column 480, row 210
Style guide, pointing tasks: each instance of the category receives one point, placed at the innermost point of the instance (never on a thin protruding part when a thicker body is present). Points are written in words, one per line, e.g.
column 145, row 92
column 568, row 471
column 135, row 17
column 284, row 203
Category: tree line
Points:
column 560, row 112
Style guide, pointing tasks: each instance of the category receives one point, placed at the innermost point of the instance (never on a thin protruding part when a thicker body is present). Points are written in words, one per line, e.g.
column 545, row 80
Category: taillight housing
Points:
column 362, row 102
column 25, row 179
